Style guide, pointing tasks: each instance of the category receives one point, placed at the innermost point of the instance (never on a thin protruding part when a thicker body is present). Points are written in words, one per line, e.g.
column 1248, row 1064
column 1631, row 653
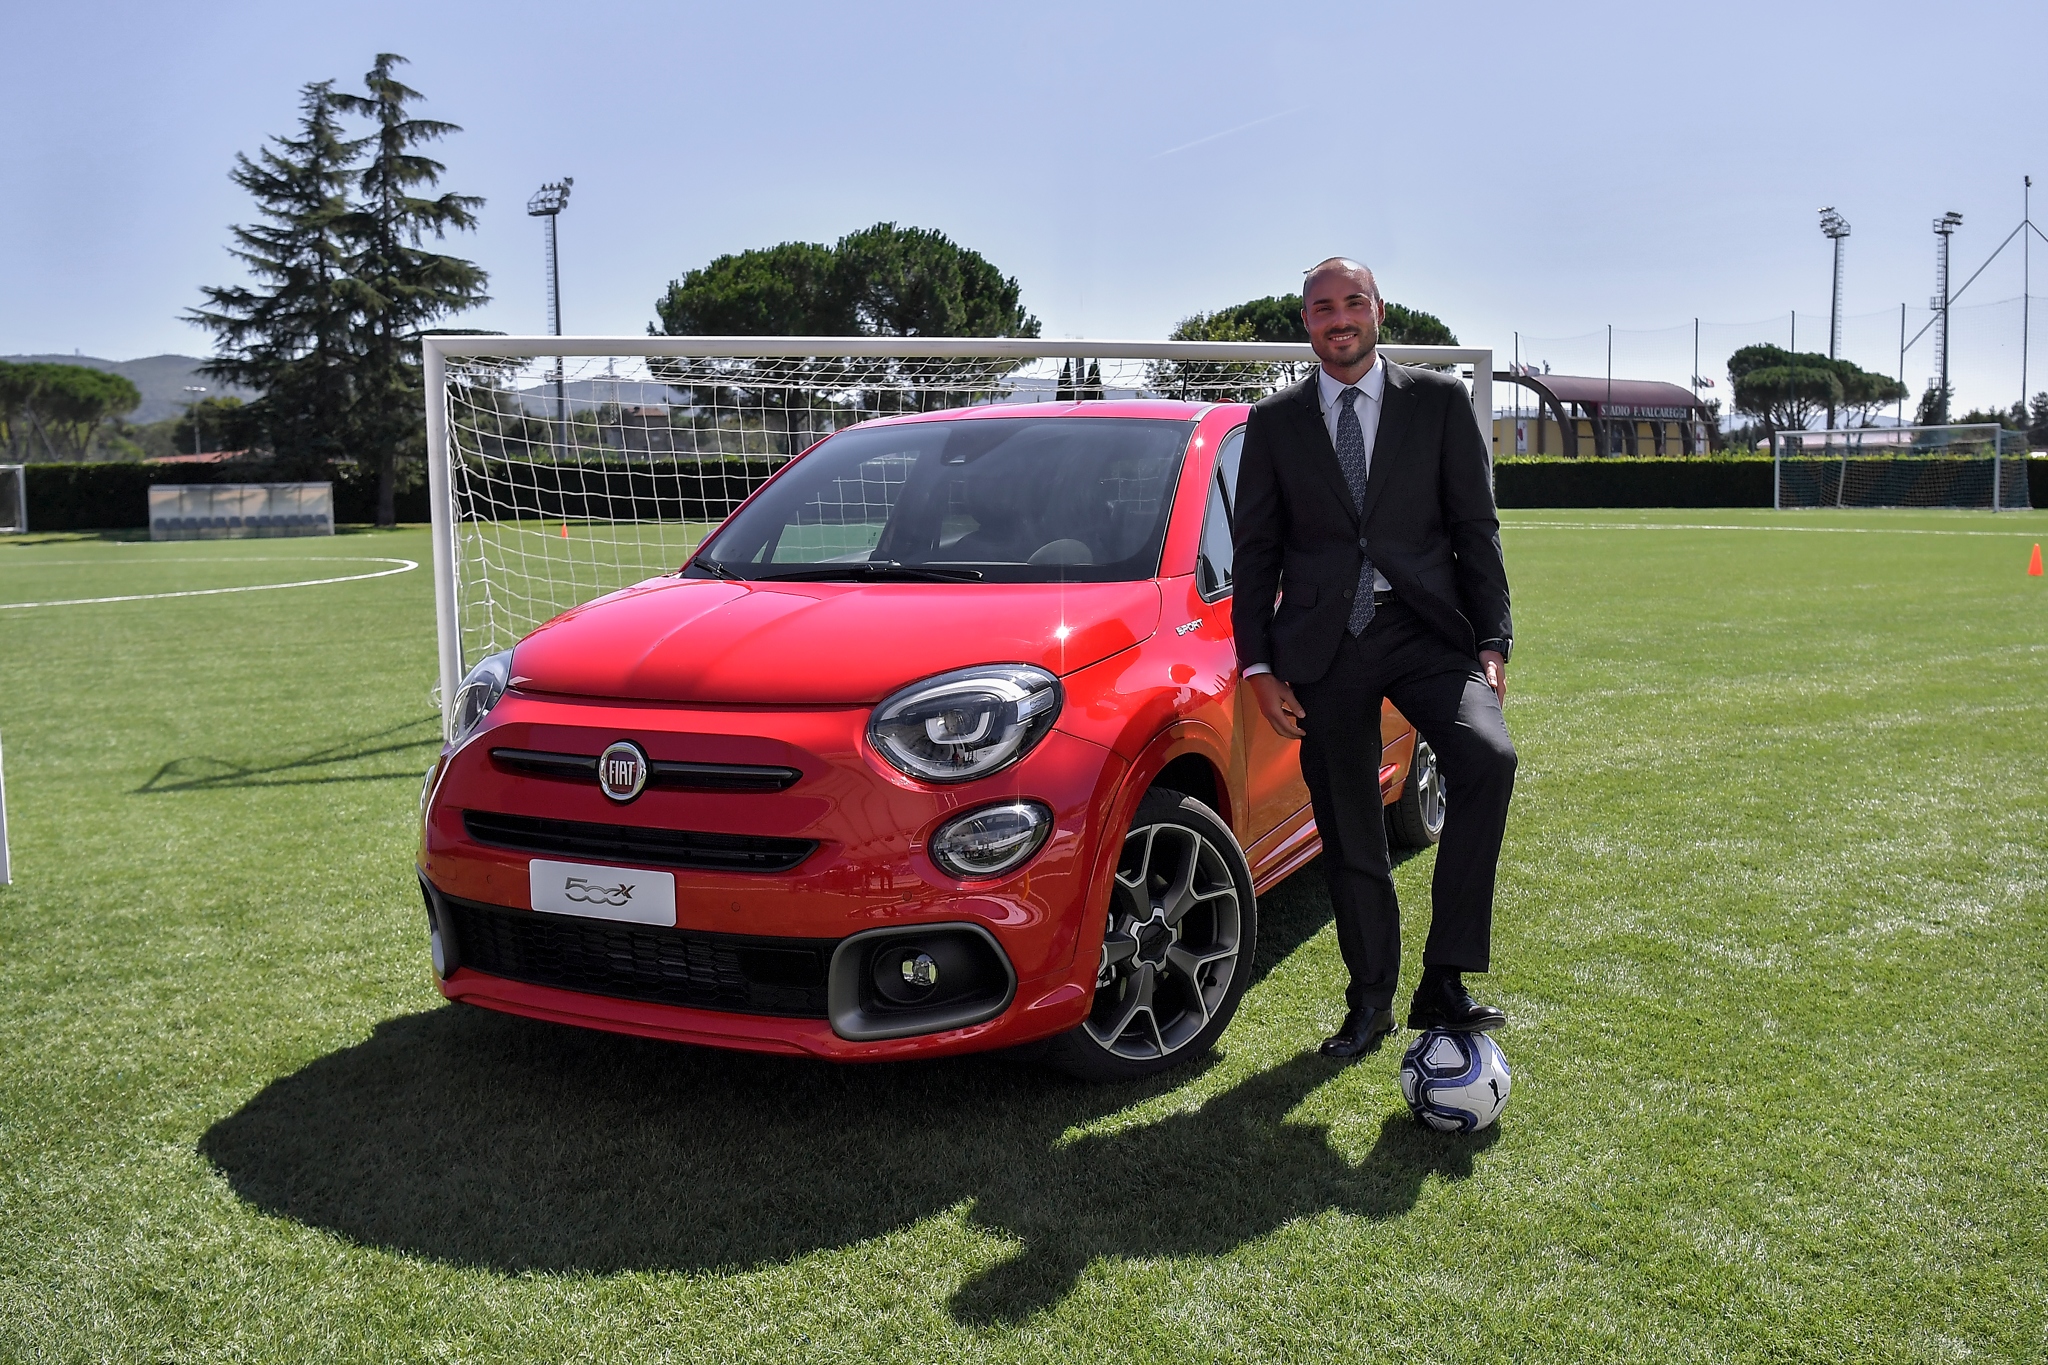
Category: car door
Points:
column 1274, row 797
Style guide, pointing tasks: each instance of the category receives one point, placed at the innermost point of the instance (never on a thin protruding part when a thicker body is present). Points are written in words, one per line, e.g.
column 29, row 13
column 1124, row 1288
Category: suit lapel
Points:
column 1308, row 414
column 1397, row 406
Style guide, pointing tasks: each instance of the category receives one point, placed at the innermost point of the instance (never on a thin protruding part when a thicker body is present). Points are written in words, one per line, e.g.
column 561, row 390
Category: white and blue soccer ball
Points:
column 1455, row 1082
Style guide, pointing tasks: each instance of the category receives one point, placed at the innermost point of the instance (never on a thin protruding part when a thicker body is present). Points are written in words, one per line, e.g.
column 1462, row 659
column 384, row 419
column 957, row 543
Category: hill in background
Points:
column 161, row 379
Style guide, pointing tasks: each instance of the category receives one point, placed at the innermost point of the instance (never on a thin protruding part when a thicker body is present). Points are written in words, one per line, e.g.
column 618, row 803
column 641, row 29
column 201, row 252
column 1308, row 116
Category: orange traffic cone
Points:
column 2034, row 564
column 565, row 530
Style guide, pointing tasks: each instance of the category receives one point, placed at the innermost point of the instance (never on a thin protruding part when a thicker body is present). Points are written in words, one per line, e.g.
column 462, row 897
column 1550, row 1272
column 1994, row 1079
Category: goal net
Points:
column 13, row 499
column 1936, row 466
column 561, row 469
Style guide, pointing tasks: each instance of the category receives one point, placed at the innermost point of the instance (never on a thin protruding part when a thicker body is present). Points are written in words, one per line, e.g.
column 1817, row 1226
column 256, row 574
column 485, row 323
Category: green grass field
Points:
column 1771, row 935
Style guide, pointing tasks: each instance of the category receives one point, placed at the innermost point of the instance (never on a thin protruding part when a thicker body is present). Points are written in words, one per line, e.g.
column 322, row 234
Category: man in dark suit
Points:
column 1365, row 505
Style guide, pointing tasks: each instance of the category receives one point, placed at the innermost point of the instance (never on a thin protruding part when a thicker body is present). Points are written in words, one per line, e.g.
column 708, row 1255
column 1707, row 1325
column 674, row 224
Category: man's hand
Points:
column 1278, row 704
column 1495, row 665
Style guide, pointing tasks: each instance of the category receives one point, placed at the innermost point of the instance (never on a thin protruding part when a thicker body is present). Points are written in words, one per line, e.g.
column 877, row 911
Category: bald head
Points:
column 1342, row 310
column 1339, row 271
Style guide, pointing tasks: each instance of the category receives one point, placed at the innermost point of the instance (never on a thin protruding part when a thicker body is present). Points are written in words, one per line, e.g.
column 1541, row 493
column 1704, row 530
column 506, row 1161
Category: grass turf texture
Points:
column 1770, row 935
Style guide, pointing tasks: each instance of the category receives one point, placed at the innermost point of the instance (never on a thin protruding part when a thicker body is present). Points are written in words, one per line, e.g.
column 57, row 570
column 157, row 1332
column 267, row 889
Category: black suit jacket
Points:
column 1429, row 519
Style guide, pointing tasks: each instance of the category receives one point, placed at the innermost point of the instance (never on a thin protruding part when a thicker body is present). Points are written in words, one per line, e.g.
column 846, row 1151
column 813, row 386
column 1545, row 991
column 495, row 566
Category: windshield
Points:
column 1008, row 500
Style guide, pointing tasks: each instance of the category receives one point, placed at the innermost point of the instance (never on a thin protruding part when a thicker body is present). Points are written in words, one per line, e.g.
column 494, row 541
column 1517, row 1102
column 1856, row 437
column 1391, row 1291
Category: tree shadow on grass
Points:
column 204, row 774
column 486, row 1140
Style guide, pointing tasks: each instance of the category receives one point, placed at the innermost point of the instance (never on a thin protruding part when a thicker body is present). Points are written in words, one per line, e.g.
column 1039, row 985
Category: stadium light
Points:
column 548, row 202
column 194, row 410
column 1835, row 227
column 1943, row 227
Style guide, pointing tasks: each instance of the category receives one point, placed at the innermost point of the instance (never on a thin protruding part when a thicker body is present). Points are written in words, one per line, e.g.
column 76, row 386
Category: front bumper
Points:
column 732, row 971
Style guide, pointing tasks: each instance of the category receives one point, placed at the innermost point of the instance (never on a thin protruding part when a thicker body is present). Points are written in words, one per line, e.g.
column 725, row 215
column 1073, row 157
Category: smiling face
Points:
column 1342, row 309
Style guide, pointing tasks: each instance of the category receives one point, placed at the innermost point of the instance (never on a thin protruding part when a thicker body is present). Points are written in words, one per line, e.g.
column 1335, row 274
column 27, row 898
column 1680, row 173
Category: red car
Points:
column 936, row 745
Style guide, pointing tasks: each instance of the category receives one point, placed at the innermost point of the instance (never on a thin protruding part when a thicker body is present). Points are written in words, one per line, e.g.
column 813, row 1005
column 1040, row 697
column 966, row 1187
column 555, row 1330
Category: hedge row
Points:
column 112, row 497
column 1669, row 483
column 1632, row 483
column 115, row 497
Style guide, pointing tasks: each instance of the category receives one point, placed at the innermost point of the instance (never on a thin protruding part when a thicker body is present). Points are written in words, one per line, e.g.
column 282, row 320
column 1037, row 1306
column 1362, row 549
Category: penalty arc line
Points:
column 402, row 566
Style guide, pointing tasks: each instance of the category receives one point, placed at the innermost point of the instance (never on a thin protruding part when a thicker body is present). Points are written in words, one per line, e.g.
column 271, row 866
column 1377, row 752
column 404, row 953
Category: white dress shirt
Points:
column 1372, row 387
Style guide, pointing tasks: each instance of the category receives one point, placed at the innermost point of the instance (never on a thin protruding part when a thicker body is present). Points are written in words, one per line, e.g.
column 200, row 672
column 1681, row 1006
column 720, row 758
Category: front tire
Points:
column 1416, row 819
column 1177, row 951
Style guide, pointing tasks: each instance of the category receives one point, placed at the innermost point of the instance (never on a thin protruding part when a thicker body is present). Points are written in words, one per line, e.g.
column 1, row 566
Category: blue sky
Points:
column 1541, row 169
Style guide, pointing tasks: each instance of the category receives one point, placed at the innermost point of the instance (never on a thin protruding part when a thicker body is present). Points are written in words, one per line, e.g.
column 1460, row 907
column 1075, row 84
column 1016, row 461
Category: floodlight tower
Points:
column 198, row 390
column 1943, row 227
column 548, row 202
column 1835, row 227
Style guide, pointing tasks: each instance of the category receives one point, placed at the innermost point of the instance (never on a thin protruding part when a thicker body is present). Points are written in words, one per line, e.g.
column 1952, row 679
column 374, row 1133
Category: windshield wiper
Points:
column 872, row 569
column 715, row 569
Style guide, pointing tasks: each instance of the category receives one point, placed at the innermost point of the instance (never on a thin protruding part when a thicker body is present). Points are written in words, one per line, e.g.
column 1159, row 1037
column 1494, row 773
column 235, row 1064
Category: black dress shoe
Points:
column 1443, row 1003
column 1360, row 1033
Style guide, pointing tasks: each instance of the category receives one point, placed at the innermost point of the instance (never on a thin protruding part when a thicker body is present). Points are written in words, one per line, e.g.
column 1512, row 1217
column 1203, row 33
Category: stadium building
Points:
column 1577, row 415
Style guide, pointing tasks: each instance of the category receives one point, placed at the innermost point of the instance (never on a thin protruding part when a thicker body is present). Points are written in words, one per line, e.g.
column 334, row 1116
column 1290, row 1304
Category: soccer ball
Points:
column 1455, row 1082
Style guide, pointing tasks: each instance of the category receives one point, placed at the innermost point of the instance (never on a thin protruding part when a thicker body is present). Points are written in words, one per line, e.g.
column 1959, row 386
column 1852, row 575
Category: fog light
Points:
column 920, row 972
column 992, row 840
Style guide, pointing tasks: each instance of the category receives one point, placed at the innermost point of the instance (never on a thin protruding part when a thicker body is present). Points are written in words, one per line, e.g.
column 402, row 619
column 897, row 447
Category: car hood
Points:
column 721, row 642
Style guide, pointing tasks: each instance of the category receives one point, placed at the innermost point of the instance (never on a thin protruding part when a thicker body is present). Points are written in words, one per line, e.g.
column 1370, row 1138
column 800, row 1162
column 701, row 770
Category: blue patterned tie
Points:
column 1351, row 459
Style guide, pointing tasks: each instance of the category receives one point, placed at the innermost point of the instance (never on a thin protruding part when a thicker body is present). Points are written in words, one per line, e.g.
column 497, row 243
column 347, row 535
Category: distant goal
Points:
column 563, row 468
column 13, row 499
column 1934, row 466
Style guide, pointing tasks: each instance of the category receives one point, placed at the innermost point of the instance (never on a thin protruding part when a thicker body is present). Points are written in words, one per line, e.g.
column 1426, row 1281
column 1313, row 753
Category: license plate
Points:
column 620, row 893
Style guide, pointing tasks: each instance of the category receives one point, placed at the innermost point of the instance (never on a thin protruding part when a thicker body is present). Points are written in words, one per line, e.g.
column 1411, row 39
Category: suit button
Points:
column 1349, row 593
column 1361, row 542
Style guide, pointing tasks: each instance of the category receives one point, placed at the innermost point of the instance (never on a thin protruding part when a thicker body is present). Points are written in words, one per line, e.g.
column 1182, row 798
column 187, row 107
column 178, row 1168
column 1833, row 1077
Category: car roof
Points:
column 1173, row 409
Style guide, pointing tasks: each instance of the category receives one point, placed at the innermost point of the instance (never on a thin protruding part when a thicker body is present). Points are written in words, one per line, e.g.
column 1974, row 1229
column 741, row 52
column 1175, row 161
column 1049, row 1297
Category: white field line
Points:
column 217, row 559
column 403, row 566
column 1507, row 525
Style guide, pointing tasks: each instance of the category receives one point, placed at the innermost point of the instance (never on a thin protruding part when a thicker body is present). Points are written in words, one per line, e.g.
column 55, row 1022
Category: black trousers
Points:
column 1444, row 695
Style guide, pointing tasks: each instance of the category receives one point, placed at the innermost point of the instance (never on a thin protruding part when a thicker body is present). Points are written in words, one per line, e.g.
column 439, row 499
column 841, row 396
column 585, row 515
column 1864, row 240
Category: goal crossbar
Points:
column 464, row 353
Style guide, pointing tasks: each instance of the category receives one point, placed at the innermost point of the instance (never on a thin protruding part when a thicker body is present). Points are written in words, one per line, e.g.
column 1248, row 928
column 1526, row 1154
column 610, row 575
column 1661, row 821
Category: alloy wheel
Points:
column 1429, row 788
column 1170, row 951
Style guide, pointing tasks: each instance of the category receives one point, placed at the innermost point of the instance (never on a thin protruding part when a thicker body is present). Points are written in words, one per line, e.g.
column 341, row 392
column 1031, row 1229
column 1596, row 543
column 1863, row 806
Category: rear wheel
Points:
column 1177, row 950
column 1416, row 820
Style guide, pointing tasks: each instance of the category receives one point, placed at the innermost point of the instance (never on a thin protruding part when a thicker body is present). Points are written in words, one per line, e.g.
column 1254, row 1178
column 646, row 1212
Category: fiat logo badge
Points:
column 622, row 771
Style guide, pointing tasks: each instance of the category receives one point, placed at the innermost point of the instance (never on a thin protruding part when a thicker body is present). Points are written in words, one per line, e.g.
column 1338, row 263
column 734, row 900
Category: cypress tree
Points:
column 291, row 336
column 399, row 287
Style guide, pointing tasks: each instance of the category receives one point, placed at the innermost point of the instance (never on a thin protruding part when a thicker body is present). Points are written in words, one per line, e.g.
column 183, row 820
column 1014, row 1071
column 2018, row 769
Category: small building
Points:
column 1578, row 415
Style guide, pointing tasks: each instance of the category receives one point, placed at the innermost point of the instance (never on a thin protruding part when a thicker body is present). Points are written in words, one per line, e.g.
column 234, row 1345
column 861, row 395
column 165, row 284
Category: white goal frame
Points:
column 14, row 509
column 1930, row 443
column 437, row 350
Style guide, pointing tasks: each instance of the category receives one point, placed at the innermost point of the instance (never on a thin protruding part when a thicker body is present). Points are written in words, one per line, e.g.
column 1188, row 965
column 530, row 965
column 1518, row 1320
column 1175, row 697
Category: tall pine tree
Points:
column 291, row 336
column 329, row 330
column 400, row 288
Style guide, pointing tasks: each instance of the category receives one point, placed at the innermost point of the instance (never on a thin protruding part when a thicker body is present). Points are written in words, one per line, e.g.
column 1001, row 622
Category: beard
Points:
column 1350, row 350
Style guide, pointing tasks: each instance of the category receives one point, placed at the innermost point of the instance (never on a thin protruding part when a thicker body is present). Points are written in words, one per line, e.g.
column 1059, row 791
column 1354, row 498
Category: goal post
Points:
column 1977, row 465
column 563, row 468
column 13, row 499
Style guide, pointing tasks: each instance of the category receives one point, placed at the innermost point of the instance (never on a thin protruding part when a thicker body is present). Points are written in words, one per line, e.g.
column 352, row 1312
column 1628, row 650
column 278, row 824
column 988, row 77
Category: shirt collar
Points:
column 1372, row 385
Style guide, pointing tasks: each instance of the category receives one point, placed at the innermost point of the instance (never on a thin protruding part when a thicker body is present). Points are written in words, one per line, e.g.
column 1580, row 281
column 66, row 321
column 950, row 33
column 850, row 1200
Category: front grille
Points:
column 731, row 972
column 636, row 844
column 696, row 777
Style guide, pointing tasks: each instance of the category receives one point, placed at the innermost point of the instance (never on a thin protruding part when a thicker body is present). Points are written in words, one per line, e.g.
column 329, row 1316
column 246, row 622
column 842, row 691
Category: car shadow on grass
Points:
column 417, row 737
column 486, row 1140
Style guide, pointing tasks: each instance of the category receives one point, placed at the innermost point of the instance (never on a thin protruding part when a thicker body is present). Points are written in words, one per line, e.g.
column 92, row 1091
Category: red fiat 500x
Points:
column 936, row 745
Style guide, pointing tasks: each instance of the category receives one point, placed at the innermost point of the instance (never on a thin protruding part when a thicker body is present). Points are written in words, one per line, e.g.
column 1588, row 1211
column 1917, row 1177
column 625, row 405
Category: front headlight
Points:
column 966, row 724
column 990, row 841
column 478, row 694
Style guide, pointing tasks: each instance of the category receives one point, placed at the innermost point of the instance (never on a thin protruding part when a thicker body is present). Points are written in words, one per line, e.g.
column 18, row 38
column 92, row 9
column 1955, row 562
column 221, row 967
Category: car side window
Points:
column 1212, row 567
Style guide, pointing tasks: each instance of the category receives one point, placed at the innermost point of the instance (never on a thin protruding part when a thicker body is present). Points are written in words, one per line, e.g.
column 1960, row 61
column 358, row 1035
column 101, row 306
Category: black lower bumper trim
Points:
column 736, row 973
